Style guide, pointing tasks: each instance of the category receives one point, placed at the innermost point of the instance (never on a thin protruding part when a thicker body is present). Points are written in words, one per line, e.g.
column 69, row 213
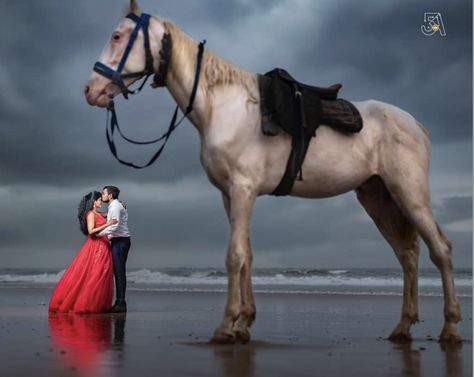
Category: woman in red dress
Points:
column 87, row 284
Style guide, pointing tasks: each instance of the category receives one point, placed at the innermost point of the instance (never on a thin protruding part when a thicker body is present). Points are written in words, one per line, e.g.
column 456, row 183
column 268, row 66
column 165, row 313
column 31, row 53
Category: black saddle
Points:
column 299, row 109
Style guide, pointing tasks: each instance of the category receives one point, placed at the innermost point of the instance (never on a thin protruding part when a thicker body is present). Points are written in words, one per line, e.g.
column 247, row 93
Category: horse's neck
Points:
column 216, row 73
column 180, row 78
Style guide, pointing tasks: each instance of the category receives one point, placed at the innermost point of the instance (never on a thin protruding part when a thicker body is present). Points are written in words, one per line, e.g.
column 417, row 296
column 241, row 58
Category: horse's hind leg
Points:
column 410, row 192
column 402, row 237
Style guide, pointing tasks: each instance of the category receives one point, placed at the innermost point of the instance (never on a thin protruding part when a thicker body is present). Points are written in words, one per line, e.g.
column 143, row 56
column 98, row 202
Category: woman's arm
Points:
column 113, row 214
column 91, row 223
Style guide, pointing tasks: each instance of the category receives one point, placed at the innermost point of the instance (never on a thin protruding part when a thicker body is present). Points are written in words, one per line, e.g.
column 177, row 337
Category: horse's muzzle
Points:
column 97, row 91
column 93, row 98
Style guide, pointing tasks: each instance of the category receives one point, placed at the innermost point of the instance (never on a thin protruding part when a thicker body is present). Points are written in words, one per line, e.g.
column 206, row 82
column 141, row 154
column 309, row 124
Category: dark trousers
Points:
column 120, row 247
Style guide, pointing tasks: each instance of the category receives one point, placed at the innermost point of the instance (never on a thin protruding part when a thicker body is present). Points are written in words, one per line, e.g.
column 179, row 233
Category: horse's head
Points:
column 129, row 55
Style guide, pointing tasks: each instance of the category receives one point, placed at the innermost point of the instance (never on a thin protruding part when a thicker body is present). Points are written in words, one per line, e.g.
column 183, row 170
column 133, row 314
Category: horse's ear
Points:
column 134, row 8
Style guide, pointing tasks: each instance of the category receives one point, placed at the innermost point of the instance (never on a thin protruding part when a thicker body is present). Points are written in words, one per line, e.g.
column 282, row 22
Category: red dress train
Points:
column 87, row 284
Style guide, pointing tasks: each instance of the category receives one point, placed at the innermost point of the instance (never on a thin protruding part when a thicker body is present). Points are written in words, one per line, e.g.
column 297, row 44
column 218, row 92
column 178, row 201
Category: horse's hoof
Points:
column 399, row 336
column 223, row 338
column 450, row 338
column 450, row 334
column 243, row 336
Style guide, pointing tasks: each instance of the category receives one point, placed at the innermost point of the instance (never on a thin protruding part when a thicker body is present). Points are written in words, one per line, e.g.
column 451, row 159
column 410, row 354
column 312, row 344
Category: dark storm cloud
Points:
column 53, row 149
column 184, row 223
column 378, row 52
column 47, row 129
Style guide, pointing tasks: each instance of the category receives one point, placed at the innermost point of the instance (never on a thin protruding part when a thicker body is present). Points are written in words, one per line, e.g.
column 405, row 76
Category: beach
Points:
column 166, row 333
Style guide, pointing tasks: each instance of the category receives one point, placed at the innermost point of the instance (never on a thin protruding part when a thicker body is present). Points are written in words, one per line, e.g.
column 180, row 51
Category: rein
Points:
column 159, row 79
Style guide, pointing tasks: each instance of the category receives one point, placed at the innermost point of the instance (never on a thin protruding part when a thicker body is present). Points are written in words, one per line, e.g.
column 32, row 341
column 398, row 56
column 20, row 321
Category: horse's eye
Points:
column 116, row 36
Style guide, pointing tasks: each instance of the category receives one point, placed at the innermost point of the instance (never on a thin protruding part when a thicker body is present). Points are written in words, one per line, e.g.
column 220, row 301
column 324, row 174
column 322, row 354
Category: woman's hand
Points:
column 111, row 222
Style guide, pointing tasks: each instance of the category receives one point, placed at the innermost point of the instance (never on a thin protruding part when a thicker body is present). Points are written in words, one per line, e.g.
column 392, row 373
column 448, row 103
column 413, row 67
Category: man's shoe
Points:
column 118, row 308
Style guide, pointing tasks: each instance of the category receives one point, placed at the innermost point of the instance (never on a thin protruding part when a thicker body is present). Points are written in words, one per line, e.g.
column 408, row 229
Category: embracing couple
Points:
column 87, row 284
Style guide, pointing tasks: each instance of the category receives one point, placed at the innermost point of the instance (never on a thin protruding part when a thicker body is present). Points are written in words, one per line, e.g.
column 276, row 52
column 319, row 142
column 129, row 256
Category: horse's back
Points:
column 339, row 162
column 390, row 121
column 402, row 143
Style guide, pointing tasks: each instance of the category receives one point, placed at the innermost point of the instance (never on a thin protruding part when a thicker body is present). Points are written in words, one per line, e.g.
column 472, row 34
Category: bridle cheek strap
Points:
column 174, row 123
column 116, row 76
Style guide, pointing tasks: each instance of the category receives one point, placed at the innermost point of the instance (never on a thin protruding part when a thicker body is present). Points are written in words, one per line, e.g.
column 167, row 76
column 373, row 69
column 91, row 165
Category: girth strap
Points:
column 299, row 146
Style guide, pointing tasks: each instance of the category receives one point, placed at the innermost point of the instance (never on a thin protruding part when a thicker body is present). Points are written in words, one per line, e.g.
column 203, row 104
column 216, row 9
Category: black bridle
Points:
column 117, row 78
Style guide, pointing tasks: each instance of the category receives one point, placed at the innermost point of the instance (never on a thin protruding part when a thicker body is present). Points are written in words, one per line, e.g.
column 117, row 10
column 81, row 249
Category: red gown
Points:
column 83, row 341
column 87, row 284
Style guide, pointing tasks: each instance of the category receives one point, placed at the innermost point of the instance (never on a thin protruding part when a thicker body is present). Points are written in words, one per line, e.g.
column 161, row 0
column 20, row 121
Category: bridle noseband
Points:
column 117, row 78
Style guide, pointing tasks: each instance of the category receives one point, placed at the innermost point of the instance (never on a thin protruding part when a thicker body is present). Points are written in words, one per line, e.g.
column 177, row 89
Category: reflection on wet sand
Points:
column 412, row 357
column 236, row 360
column 81, row 342
column 411, row 365
column 454, row 364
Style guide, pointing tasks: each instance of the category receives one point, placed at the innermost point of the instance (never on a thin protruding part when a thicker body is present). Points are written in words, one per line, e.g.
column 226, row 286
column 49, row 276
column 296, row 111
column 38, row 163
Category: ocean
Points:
column 372, row 281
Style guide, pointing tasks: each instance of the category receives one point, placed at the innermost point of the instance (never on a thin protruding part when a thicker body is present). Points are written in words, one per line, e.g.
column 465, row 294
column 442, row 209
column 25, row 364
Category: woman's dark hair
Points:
column 86, row 204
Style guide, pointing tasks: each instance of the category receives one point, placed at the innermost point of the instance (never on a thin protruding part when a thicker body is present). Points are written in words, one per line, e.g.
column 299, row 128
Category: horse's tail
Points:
column 426, row 137
column 425, row 131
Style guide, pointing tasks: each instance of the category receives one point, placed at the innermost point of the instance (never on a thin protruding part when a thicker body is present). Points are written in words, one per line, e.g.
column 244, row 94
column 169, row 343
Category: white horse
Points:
column 386, row 164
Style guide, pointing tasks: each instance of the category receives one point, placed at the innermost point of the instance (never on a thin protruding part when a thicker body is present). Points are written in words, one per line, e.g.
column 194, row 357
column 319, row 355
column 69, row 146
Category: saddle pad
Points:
column 341, row 115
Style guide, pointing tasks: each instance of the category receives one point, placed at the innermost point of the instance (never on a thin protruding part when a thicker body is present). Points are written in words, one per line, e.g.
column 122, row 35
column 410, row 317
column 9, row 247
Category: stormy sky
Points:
column 53, row 148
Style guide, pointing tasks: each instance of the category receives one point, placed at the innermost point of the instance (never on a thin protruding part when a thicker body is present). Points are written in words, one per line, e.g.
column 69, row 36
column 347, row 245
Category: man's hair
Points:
column 112, row 190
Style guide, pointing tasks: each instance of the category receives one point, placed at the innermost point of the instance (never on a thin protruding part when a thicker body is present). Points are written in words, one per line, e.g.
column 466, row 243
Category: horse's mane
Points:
column 216, row 71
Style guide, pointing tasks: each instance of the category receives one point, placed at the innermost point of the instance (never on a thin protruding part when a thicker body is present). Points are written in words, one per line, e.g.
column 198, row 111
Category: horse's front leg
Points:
column 239, row 204
column 248, row 310
column 247, row 307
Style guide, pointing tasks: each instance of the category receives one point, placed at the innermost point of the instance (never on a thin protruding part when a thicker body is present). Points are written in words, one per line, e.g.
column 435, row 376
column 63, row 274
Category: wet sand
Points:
column 166, row 334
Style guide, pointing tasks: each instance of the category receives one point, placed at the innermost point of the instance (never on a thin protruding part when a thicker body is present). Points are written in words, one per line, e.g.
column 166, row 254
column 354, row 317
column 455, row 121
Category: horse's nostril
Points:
column 86, row 89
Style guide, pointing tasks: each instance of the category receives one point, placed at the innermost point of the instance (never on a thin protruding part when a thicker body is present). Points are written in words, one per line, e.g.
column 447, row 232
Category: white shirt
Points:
column 119, row 213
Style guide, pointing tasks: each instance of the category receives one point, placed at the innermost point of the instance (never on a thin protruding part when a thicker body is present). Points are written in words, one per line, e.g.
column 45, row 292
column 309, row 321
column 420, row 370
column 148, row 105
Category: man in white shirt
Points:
column 119, row 236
